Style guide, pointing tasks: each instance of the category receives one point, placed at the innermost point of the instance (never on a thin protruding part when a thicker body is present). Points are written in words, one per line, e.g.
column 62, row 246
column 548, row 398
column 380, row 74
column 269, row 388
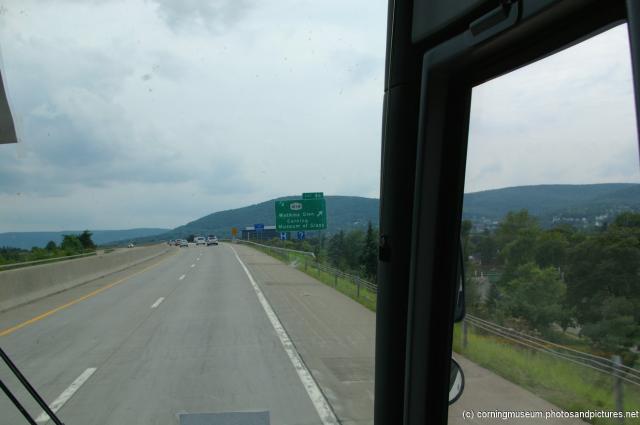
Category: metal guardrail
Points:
column 46, row 260
column 600, row 364
column 337, row 273
column 277, row 248
column 371, row 287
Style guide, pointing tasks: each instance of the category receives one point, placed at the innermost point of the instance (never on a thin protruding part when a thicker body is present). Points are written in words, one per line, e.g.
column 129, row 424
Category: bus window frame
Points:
column 448, row 72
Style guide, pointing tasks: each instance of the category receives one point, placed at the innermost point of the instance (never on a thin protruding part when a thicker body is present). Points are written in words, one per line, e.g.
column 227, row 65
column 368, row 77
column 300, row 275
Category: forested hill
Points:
column 580, row 205
column 585, row 204
column 562, row 203
column 343, row 212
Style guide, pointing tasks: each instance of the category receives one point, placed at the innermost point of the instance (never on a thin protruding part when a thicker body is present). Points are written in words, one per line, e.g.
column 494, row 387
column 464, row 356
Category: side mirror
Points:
column 456, row 382
column 460, row 305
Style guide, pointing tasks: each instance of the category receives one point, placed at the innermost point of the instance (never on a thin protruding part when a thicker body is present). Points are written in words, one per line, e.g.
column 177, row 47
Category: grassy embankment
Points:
column 567, row 385
column 345, row 286
column 27, row 261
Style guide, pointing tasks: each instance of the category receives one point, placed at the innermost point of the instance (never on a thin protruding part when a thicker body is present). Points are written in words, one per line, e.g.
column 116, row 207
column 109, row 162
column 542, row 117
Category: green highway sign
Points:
column 301, row 215
column 313, row 195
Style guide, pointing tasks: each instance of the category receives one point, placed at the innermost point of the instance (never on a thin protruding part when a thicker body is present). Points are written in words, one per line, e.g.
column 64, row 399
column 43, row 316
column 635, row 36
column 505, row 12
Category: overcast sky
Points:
column 568, row 118
column 153, row 113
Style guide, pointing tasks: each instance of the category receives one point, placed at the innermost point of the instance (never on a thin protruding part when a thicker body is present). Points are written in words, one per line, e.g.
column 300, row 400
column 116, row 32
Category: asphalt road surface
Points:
column 213, row 329
column 336, row 338
column 184, row 333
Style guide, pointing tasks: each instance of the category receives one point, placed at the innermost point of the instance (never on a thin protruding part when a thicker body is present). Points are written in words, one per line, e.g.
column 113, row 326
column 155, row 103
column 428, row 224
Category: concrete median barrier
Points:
column 27, row 284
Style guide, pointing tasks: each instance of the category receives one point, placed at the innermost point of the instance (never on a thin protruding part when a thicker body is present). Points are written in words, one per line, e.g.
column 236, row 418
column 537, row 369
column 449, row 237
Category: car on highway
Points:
column 183, row 243
column 130, row 245
column 171, row 242
column 212, row 240
column 200, row 240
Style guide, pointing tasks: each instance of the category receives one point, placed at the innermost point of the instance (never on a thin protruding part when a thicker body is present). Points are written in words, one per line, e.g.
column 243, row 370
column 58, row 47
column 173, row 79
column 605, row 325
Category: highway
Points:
column 184, row 333
column 213, row 330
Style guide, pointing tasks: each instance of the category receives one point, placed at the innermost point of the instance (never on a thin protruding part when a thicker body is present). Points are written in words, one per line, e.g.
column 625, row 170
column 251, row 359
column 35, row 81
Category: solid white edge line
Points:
column 67, row 394
column 193, row 265
column 315, row 394
column 182, row 277
column 157, row 303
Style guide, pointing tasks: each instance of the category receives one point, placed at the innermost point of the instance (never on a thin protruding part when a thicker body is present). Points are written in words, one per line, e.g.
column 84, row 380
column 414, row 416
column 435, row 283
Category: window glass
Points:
column 188, row 224
column 551, row 232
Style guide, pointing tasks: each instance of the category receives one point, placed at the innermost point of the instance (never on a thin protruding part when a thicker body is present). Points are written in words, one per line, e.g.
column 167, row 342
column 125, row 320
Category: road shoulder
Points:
column 335, row 337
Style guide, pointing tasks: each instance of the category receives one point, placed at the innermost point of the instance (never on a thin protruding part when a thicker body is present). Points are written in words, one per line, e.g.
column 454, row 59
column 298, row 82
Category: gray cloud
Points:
column 79, row 126
column 216, row 16
column 568, row 118
column 115, row 110
column 176, row 109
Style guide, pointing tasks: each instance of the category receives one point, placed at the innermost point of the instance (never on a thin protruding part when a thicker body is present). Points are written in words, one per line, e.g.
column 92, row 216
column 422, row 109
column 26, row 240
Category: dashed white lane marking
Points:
column 67, row 394
column 193, row 265
column 182, row 277
column 315, row 394
column 157, row 303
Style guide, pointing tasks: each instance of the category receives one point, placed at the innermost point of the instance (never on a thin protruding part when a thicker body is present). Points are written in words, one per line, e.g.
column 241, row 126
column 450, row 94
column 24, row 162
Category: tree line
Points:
column 354, row 251
column 70, row 245
column 548, row 279
column 561, row 277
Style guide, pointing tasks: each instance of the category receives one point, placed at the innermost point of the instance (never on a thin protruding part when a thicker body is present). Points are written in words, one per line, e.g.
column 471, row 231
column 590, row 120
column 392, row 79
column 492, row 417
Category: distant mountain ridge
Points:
column 547, row 202
column 27, row 240
column 580, row 205
column 590, row 204
column 343, row 212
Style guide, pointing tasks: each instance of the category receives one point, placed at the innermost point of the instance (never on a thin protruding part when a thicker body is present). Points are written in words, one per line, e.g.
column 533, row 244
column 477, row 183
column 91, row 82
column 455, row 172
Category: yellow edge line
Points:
column 76, row 301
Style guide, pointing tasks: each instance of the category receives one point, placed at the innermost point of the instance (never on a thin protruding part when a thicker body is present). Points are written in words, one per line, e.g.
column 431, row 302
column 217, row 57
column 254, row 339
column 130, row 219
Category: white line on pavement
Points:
column 193, row 265
column 67, row 394
column 157, row 303
column 181, row 277
column 315, row 394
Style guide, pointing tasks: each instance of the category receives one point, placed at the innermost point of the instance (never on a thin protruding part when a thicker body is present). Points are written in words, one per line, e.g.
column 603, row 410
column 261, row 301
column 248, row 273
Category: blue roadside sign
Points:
column 283, row 236
column 258, row 227
column 300, row 236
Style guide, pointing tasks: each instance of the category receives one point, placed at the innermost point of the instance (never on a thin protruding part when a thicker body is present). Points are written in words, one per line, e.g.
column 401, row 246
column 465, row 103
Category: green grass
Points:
column 567, row 385
column 347, row 287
